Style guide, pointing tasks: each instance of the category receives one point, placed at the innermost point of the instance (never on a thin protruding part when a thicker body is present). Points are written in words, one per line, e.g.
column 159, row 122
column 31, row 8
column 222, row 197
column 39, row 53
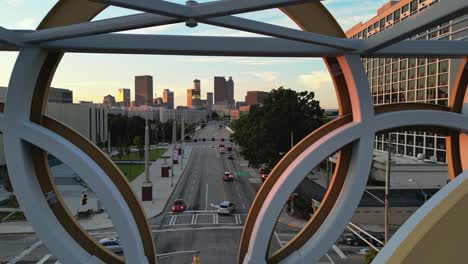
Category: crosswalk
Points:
column 221, row 223
column 284, row 238
column 202, row 218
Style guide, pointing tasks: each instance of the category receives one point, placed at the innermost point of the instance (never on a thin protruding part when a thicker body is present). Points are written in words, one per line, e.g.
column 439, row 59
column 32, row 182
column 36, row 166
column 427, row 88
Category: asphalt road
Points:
column 199, row 228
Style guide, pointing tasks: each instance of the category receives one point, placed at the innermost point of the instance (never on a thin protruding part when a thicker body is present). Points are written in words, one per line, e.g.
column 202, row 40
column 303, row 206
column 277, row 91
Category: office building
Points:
column 108, row 100
column 189, row 116
column 143, row 90
column 240, row 104
column 62, row 96
column 396, row 80
column 209, row 100
column 168, row 98
column 123, row 97
column 255, row 97
column 197, row 85
column 223, row 91
column 193, row 99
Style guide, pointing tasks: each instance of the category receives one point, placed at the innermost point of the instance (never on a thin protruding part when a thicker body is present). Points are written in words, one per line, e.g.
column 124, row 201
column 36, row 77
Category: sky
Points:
column 92, row 76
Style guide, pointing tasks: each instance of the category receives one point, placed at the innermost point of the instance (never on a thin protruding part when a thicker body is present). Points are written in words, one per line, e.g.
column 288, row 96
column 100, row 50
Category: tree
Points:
column 369, row 257
column 265, row 132
column 214, row 115
column 139, row 143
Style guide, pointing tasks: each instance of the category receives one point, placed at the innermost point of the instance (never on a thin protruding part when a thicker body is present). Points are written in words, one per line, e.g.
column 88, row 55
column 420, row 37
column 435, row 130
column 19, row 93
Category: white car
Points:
column 226, row 208
column 112, row 244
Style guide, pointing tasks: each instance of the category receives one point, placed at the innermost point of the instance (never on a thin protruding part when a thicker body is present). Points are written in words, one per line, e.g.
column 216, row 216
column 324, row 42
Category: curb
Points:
column 175, row 186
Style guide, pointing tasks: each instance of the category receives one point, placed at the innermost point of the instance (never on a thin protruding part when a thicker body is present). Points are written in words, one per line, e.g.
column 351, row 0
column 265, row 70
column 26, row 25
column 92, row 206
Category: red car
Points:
column 178, row 206
column 228, row 176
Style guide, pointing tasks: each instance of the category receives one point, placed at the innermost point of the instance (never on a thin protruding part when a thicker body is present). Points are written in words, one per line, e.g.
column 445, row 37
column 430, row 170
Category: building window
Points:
column 396, row 15
column 442, row 92
column 411, row 96
column 421, row 71
column 412, row 62
column 420, row 95
column 431, row 69
column 412, row 74
column 382, row 23
column 443, row 79
column 402, row 86
column 411, row 85
column 405, row 8
column 413, row 6
column 431, row 81
column 443, row 66
column 431, row 94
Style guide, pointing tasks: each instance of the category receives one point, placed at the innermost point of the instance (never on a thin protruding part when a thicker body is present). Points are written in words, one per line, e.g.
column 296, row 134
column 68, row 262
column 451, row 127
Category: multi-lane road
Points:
column 199, row 228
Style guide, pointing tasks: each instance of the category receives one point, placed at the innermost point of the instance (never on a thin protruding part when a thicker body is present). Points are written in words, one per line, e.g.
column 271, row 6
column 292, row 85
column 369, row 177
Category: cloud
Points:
column 13, row 3
column 27, row 23
column 265, row 76
column 316, row 80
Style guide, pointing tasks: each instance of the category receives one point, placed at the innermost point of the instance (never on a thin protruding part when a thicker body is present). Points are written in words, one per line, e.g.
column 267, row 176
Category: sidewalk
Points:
column 162, row 191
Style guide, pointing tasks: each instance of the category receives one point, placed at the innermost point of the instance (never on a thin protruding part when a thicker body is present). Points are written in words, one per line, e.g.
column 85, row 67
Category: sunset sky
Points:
column 92, row 76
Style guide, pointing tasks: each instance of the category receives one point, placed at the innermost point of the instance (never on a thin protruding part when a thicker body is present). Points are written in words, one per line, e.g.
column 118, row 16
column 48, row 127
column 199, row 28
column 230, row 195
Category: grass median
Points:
column 135, row 156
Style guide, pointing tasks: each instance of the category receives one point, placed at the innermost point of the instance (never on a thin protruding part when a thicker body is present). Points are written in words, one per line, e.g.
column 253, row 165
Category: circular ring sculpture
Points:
column 28, row 133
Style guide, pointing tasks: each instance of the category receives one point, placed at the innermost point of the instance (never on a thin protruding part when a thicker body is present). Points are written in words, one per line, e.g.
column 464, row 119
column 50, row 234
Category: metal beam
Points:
column 209, row 13
column 98, row 27
column 199, row 45
column 423, row 48
column 8, row 36
column 436, row 14
column 281, row 32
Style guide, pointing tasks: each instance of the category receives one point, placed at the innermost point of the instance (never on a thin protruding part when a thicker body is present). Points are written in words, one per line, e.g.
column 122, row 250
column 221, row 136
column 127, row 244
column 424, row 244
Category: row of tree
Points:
column 130, row 131
column 264, row 134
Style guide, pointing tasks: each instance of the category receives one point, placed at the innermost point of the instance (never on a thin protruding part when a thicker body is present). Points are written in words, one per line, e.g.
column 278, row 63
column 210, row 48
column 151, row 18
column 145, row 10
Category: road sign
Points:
column 243, row 173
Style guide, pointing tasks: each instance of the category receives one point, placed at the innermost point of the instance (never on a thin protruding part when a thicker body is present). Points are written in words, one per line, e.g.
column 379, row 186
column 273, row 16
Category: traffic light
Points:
column 84, row 199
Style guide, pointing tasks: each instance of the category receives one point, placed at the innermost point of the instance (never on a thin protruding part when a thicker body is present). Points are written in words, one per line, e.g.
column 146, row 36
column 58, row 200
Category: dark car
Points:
column 228, row 176
column 195, row 140
column 230, row 156
column 263, row 177
column 178, row 206
column 222, row 139
column 204, row 139
column 212, row 139
column 353, row 240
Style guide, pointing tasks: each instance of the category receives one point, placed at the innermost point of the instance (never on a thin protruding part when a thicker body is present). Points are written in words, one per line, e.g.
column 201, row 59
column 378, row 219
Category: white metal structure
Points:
column 40, row 53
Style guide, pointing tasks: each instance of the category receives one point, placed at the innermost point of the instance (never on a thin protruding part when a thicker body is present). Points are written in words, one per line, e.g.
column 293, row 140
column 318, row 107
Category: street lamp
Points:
column 422, row 191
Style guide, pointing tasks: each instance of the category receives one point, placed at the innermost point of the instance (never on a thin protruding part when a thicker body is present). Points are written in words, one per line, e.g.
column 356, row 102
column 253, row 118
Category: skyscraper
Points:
column 224, row 91
column 189, row 97
column 197, row 84
column 123, row 97
column 397, row 80
column 108, row 100
column 168, row 98
column 209, row 100
column 143, row 90
column 255, row 97
column 219, row 90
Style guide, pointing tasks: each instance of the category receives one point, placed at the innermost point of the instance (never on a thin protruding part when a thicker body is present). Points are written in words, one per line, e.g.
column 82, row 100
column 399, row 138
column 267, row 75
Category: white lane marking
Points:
column 237, row 222
column 44, row 259
column 173, row 220
column 277, row 239
column 339, row 252
column 206, row 198
column 199, row 228
column 329, row 258
column 193, row 219
column 25, row 252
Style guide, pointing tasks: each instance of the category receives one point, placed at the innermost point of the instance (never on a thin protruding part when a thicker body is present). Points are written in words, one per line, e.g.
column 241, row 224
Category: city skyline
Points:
column 83, row 73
